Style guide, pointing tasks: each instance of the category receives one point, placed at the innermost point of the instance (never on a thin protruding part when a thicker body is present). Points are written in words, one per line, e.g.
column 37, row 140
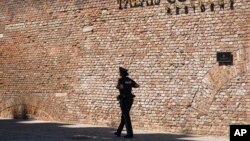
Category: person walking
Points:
column 126, row 99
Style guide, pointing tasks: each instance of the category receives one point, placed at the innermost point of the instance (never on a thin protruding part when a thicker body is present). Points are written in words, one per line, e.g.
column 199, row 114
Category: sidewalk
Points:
column 18, row 130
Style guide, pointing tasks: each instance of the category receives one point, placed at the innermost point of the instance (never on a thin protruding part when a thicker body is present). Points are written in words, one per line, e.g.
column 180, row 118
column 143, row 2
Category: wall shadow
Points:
column 26, row 130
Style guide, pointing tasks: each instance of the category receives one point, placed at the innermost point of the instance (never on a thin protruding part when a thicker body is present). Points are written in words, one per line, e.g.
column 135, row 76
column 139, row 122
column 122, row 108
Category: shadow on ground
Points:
column 21, row 130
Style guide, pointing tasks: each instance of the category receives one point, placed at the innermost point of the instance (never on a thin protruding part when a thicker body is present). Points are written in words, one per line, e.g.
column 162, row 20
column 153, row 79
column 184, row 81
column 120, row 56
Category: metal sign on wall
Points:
column 177, row 5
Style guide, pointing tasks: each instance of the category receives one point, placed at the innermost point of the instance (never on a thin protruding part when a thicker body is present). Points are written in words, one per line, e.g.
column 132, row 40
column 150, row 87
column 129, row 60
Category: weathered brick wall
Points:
column 59, row 61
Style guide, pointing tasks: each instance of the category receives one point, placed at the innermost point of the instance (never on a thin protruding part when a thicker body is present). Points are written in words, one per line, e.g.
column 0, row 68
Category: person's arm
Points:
column 136, row 85
column 119, row 85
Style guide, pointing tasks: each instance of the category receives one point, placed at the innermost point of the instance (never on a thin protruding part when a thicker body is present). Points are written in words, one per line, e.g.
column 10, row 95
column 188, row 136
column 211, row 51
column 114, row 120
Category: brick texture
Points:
column 59, row 61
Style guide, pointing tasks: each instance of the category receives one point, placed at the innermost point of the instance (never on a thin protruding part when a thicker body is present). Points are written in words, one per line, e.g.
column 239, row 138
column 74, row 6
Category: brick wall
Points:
column 59, row 61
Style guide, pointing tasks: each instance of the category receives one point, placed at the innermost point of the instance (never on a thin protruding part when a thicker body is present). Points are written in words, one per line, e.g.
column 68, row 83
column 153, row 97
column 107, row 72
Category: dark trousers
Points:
column 126, row 104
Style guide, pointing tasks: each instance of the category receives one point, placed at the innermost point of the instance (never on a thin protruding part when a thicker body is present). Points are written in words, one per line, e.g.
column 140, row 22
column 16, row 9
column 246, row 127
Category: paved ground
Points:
column 18, row 130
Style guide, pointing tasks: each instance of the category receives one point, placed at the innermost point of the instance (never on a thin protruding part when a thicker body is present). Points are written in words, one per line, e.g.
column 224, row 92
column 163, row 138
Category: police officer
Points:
column 126, row 98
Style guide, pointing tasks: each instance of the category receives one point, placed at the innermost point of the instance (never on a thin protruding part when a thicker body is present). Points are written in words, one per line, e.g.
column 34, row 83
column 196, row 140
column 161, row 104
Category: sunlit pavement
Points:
column 20, row 130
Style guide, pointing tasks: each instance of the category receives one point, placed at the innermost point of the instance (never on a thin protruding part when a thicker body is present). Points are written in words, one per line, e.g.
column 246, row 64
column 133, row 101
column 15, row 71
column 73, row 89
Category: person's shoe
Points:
column 128, row 136
column 117, row 134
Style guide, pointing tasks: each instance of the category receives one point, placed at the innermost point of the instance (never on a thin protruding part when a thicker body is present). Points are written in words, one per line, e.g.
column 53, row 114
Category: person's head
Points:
column 123, row 72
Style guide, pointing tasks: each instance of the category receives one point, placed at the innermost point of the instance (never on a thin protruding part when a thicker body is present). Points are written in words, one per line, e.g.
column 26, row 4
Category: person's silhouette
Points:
column 126, row 98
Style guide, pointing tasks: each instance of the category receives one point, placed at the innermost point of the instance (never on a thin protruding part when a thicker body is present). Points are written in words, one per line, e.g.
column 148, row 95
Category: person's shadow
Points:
column 24, row 130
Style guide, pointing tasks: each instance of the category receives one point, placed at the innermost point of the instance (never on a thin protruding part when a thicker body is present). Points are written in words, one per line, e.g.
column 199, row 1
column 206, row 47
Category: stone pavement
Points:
column 20, row 130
